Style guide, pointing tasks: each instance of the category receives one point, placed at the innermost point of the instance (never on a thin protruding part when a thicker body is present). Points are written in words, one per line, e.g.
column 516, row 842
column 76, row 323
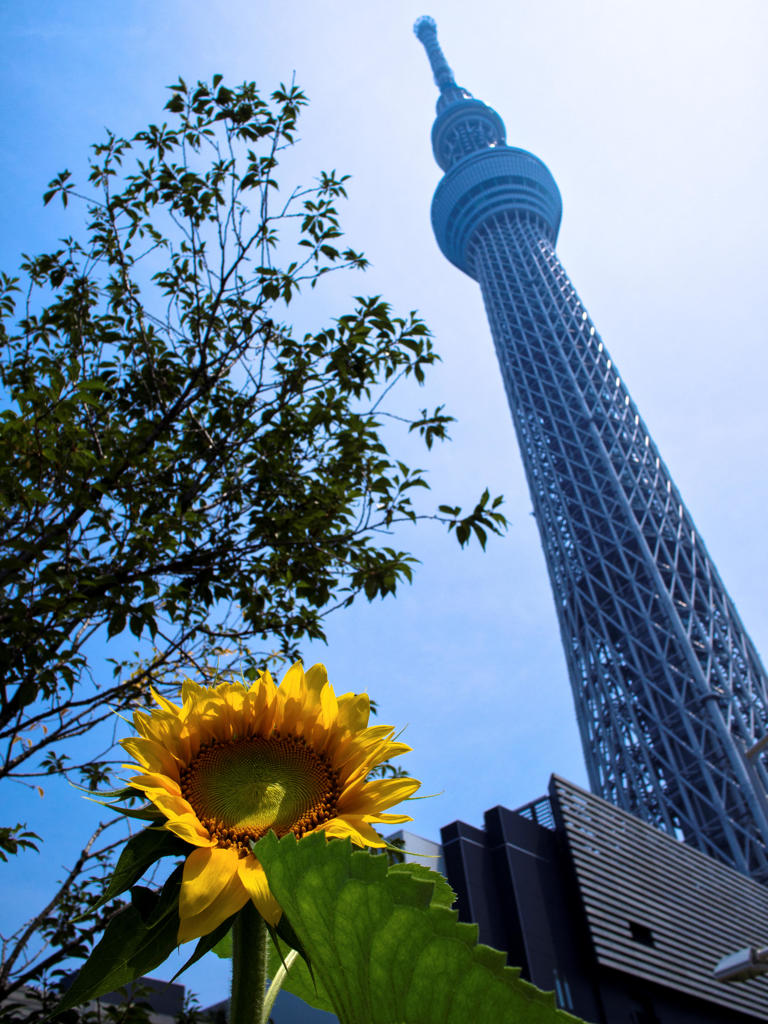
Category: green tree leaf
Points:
column 182, row 470
column 16, row 838
column 384, row 949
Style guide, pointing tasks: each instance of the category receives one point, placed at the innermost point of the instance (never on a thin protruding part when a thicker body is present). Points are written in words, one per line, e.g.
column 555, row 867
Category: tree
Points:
column 178, row 465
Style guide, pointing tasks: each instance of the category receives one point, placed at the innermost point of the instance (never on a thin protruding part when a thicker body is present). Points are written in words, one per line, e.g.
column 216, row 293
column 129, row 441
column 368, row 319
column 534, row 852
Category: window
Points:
column 641, row 933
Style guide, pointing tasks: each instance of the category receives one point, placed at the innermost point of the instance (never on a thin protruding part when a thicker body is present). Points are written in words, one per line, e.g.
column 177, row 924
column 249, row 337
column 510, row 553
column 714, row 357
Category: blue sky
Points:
column 651, row 118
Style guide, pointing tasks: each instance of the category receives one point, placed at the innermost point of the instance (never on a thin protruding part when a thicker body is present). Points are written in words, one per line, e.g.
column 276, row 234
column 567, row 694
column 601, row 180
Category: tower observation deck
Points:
column 670, row 694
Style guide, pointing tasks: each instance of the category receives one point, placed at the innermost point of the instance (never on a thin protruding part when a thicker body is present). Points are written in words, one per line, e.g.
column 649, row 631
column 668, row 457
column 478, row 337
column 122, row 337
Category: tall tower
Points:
column 670, row 694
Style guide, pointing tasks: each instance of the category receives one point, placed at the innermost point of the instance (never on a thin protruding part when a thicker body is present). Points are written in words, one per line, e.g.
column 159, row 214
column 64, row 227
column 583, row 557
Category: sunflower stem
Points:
column 249, row 967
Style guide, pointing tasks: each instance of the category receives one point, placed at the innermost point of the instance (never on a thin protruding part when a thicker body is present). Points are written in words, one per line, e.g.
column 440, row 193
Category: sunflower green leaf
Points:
column 385, row 949
column 138, row 855
column 442, row 894
column 300, row 981
column 136, row 940
column 208, row 943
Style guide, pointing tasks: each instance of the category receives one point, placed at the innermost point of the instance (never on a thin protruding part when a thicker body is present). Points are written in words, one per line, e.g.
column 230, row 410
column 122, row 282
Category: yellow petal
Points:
column 294, row 719
column 154, row 781
column 206, row 873
column 230, row 899
column 359, row 747
column 354, row 765
column 354, row 711
column 292, row 684
column 152, row 755
column 263, row 681
column 394, row 749
column 255, row 881
column 172, row 806
column 375, row 796
column 165, row 704
column 315, row 679
column 234, row 704
column 378, row 732
column 190, row 830
column 141, row 723
column 329, row 707
column 354, row 827
column 135, row 746
column 190, row 690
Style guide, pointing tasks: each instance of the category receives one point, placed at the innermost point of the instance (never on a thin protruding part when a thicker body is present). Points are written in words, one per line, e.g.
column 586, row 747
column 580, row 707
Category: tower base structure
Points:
column 624, row 923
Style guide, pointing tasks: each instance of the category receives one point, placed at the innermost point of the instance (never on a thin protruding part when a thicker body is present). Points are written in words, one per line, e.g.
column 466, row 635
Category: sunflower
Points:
column 235, row 760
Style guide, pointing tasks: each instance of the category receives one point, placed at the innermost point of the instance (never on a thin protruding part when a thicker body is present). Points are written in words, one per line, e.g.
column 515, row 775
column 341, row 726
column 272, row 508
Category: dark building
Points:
column 625, row 923
column 163, row 1001
column 669, row 691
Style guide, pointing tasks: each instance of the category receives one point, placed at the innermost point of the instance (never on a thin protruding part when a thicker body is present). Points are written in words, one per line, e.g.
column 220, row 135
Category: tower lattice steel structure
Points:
column 670, row 693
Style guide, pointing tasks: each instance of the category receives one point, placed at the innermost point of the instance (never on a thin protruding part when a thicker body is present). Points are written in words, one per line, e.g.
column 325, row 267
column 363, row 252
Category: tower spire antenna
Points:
column 425, row 29
column 671, row 696
column 464, row 125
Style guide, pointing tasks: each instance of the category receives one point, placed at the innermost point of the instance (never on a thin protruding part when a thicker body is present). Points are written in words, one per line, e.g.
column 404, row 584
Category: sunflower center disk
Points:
column 242, row 789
